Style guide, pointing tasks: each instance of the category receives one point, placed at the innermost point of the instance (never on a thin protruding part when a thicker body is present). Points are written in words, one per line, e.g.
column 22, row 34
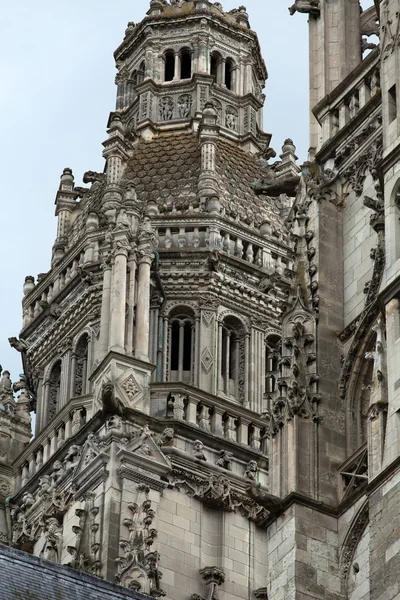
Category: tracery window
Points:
column 181, row 327
column 54, row 384
column 80, row 372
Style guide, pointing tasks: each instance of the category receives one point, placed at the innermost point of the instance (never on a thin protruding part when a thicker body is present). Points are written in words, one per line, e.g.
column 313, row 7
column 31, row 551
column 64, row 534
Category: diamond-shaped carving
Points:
column 130, row 387
column 207, row 360
column 208, row 317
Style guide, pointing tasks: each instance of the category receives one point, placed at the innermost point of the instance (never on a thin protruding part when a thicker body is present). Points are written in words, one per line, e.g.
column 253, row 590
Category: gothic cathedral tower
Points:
column 213, row 356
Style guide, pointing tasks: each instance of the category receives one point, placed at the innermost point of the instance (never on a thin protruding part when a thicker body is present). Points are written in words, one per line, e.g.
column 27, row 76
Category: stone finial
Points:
column 242, row 17
column 288, row 165
column 29, row 284
column 67, row 180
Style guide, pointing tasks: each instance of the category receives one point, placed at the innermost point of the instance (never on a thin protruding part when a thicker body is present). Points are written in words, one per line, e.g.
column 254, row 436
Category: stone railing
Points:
column 349, row 98
column 65, row 425
column 209, row 413
column 36, row 303
column 225, row 239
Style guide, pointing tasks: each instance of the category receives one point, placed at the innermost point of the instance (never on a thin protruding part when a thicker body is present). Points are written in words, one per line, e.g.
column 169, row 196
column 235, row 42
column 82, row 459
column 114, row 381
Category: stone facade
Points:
column 213, row 357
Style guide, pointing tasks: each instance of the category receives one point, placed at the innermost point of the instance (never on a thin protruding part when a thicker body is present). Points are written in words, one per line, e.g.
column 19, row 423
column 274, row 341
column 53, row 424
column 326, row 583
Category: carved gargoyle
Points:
column 310, row 7
column 111, row 404
column 272, row 503
column 275, row 186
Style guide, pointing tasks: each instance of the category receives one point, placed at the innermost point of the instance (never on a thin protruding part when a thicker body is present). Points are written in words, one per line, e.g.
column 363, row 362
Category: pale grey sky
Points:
column 57, row 69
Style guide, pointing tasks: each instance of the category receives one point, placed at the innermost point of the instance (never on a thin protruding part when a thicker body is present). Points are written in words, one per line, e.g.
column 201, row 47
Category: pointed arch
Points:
column 80, row 370
column 53, row 393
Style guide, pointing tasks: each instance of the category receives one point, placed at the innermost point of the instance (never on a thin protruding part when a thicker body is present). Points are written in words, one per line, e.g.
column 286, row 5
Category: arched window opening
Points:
column 169, row 66
column 81, row 360
column 186, row 64
column 272, row 355
column 54, row 390
column 232, row 357
column 134, row 77
column 181, row 339
column 141, row 72
column 229, row 74
column 215, row 66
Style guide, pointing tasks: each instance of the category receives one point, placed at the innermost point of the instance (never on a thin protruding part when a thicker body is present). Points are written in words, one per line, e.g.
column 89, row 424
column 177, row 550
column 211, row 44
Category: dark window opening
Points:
column 187, row 348
column 232, row 357
column 392, row 104
column 228, row 74
column 186, row 65
column 214, row 66
column 175, row 347
column 169, row 67
column 141, row 72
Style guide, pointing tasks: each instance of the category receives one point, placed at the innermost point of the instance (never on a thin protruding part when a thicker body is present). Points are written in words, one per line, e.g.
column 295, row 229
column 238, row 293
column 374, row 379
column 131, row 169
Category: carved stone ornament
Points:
column 131, row 387
column 166, row 108
column 213, row 578
column 207, row 360
column 184, row 106
column 353, row 538
column 311, row 7
column 138, row 566
column 5, row 488
column 216, row 492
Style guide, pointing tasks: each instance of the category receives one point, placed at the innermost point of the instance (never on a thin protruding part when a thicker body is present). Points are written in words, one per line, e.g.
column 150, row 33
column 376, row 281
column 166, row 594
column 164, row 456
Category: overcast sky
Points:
column 57, row 69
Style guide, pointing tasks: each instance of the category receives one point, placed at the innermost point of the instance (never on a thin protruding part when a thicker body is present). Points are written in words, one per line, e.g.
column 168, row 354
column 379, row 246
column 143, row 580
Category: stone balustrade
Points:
column 65, row 425
column 210, row 414
column 40, row 296
column 355, row 93
column 230, row 240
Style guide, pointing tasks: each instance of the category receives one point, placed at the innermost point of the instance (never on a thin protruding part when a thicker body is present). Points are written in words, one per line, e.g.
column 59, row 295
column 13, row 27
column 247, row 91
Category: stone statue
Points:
column 72, row 457
column 251, row 470
column 146, row 233
column 5, row 383
column 58, row 472
column 122, row 221
column 225, row 460
column 198, row 450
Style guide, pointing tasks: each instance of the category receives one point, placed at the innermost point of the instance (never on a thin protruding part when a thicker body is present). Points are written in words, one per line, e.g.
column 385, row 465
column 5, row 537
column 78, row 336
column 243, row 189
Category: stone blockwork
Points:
column 384, row 548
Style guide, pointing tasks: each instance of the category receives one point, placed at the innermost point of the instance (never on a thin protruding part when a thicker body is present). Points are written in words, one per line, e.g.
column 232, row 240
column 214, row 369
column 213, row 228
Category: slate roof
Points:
column 25, row 577
column 166, row 170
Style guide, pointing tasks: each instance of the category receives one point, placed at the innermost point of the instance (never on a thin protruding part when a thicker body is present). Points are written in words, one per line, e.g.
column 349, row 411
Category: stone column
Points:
column 165, row 349
column 223, row 72
column 118, row 294
column 177, row 71
column 131, row 301
column 181, row 349
column 196, row 350
column 143, row 304
column 227, row 361
column 246, row 362
column 219, row 359
column 203, row 65
column 101, row 348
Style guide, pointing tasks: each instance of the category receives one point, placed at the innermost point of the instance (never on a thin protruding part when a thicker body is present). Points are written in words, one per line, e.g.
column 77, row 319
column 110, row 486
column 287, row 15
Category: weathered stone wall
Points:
column 359, row 240
column 303, row 555
column 385, row 540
